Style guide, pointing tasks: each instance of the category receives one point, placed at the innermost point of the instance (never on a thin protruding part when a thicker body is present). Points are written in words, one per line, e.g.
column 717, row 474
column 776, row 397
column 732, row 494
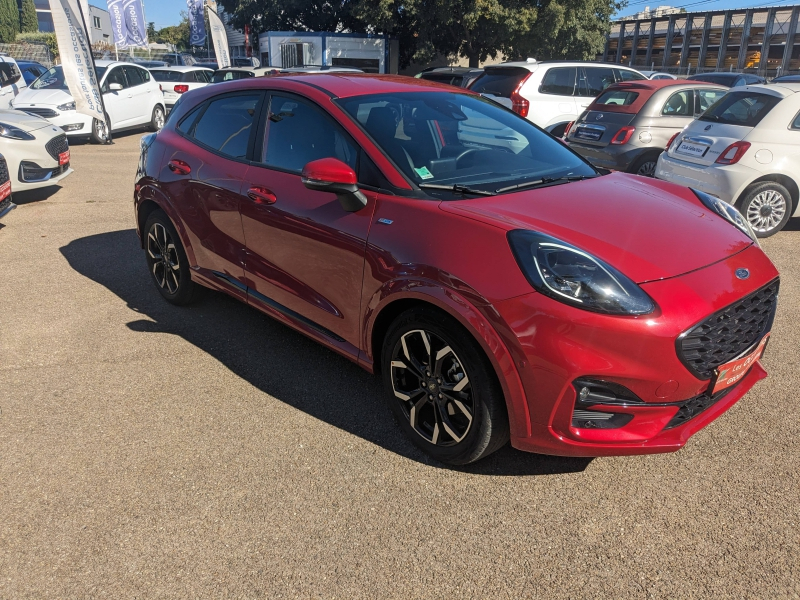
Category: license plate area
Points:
column 63, row 158
column 591, row 133
column 692, row 149
column 733, row 371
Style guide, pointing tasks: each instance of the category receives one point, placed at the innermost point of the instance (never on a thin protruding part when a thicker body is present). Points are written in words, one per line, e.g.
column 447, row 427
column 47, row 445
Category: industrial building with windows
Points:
column 760, row 40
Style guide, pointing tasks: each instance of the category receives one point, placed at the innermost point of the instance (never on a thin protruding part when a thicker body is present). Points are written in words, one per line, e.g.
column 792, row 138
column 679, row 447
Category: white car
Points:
column 745, row 150
column 175, row 81
column 11, row 81
column 551, row 94
column 130, row 94
column 36, row 151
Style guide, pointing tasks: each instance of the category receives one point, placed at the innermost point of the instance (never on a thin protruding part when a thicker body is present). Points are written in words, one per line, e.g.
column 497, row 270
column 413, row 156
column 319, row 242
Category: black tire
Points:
column 558, row 130
column 645, row 166
column 767, row 206
column 157, row 119
column 166, row 260
column 99, row 133
column 473, row 415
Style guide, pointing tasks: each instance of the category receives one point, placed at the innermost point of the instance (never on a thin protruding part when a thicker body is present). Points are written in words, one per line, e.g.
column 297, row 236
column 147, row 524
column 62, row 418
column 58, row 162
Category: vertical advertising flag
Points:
column 134, row 21
column 197, row 24
column 75, row 51
column 220, row 39
column 119, row 28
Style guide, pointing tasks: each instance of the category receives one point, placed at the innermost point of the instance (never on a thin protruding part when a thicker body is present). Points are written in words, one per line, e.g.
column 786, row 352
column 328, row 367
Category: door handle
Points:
column 261, row 195
column 179, row 167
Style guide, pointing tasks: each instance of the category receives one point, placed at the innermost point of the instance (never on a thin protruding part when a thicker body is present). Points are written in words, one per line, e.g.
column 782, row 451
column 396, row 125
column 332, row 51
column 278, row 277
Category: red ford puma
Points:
column 501, row 286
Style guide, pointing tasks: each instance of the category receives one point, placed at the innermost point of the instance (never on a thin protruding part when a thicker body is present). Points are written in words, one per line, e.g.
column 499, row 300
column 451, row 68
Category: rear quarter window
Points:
column 559, row 81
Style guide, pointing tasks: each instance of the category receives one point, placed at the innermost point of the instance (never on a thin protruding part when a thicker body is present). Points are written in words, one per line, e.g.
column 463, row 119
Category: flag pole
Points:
column 94, row 68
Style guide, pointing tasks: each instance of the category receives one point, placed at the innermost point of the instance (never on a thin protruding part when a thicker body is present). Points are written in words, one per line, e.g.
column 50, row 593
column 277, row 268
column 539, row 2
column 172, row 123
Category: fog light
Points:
column 72, row 127
column 584, row 393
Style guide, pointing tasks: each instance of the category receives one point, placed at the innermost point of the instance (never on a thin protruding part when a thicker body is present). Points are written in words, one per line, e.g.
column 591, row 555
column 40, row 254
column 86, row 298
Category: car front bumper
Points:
column 554, row 345
column 726, row 182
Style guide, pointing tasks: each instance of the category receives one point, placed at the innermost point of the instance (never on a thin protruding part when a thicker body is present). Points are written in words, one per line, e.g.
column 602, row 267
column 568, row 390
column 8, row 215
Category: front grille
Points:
column 57, row 145
column 3, row 171
column 47, row 113
column 727, row 334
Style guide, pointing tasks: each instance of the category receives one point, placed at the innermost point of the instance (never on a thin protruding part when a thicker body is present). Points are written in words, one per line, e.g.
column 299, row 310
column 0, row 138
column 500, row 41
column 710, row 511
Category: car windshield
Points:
column 53, row 79
column 740, row 108
column 450, row 139
column 166, row 75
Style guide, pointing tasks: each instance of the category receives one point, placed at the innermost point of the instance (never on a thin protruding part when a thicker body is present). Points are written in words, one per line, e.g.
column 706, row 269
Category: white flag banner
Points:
column 75, row 51
column 220, row 39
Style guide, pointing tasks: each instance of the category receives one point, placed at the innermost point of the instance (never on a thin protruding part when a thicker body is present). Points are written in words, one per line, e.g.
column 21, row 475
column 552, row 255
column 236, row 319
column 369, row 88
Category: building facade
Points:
column 758, row 40
column 99, row 23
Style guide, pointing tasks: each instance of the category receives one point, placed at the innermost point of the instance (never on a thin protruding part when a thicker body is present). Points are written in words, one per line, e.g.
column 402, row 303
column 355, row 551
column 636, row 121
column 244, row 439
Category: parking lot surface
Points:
column 148, row 450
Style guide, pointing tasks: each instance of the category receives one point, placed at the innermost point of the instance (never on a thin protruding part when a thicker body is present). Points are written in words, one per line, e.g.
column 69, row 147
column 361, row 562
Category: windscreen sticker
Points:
column 424, row 173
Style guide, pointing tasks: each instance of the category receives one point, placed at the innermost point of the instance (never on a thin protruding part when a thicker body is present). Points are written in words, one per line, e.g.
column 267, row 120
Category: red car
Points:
column 500, row 285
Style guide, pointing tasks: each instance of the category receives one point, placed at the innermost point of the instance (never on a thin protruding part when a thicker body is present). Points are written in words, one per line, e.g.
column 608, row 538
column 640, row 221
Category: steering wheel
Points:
column 466, row 152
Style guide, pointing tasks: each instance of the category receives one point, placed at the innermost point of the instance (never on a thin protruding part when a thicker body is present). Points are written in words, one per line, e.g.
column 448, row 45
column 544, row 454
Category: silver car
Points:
column 627, row 126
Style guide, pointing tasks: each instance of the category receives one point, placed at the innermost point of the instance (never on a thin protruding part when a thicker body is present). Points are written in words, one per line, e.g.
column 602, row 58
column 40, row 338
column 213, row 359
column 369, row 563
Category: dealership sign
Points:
column 197, row 25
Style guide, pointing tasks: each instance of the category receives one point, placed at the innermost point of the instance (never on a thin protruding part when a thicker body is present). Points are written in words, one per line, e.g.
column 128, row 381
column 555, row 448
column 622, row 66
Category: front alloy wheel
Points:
column 766, row 206
column 433, row 388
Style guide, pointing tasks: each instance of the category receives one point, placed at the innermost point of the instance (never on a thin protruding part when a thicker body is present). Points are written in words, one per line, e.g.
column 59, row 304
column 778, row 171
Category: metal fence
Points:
column 28, row 51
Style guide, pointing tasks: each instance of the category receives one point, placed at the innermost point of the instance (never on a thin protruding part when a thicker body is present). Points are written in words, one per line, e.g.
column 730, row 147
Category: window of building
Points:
column 96, row 21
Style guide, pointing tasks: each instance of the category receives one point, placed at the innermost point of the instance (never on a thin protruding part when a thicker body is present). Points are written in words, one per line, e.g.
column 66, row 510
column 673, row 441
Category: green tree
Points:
column 28, row 23
column 151, row 31
column 9, row 21
column 174, row 34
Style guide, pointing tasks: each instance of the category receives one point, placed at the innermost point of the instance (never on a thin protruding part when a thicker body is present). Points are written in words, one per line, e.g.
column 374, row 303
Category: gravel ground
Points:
column 154, row 451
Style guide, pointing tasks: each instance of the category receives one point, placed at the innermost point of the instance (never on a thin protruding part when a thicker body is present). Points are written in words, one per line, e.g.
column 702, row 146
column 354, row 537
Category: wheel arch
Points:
column 145, row 208
column 475, row 321
column 784, row 180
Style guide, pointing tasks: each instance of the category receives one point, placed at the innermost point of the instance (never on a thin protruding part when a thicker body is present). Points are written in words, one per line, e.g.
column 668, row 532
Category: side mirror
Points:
column 115, row 87
column 332, row 175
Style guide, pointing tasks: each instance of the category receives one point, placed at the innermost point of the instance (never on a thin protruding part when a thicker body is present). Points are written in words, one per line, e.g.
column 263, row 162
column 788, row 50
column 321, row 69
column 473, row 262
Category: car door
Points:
column 204, row 168
column 118, row 103
column 140, row 94
column 556, row 100
column 304, row 251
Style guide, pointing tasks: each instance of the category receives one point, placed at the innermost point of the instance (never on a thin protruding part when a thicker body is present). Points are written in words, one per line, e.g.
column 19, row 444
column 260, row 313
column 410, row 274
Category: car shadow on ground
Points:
column 35, row 195
column 792, row 225
column 272, row 357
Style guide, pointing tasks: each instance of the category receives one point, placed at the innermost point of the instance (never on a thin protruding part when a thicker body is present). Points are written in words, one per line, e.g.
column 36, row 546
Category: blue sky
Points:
column 167, row 12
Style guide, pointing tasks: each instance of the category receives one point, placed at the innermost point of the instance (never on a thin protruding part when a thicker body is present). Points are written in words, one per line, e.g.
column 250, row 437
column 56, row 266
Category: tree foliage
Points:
column 178, row 35
column 473, row 29
column 28, row 23
column 9, row 20
column 40, row 38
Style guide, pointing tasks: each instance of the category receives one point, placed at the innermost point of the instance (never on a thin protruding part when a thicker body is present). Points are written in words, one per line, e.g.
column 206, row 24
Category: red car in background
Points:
column 500, row 285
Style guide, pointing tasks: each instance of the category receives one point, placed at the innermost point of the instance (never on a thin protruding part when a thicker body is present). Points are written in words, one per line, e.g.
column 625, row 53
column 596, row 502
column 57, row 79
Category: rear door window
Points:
column 559, row 81
column 134, row 75
column 680, row 104
column 625, row 75
column 741, row 108
column 500, row 82
column 594, row 80
column 227, row 124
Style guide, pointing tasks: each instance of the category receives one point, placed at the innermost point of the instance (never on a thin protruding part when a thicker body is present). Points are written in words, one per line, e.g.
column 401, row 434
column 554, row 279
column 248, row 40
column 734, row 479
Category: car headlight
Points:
column 570, row 275
column 67, row 106
column 727, row 212
column 14, row 133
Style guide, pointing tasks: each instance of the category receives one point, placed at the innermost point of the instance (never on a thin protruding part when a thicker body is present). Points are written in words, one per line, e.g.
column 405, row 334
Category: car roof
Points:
column 783, row 89
column 181, row 68
column 657, row 84
column 454, row 70
column 533, row 64
column 114, row 63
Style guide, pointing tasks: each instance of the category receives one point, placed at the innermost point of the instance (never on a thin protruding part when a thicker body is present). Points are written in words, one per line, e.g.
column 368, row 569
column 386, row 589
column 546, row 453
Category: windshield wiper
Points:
column 545, row 181
column 455, row 188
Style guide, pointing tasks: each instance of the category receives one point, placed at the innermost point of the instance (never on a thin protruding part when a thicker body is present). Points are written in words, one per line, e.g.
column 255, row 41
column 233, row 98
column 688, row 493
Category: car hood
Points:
column 23, row 120
column 42, row 97
column 648, row 229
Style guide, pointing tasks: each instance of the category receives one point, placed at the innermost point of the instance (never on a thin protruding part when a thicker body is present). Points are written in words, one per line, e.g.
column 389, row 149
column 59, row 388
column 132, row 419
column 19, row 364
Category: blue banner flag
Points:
column 119, row 29
column 197, row 24
column 134, row 19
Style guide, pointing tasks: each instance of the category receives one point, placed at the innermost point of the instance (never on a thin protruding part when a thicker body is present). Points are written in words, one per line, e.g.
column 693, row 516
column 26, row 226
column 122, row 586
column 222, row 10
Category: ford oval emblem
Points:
column 707, row 127
column 742, row 273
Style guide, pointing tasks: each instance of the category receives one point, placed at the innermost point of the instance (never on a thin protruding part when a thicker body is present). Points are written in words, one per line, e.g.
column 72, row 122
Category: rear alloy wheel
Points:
column 766, row 206
column 167, row 260
column 99, row 131
column 157, row 120
column 645, row 167
column 442, row 389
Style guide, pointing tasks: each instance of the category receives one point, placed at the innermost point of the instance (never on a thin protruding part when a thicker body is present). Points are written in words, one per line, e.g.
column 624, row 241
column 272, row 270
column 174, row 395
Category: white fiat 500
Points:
column 131, row 96
column 745, row 149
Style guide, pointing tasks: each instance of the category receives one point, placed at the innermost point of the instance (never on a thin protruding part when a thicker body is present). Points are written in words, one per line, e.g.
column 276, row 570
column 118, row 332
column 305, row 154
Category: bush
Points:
column 40, row 38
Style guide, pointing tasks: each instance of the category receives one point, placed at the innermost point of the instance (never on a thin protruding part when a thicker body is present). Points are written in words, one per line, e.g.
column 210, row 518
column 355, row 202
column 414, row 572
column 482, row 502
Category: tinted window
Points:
column 618, row 98
column 705, row 98
column 185, row 126
column 594, row 80
column 500, row 82
column 114, row 76
column 625, row 75
column 447, row 78
column 227, row 123
column 231, row 75
column 298, row 133
column 447, row 138
column 559, row 81
column 680, row 104
column 9, row 74
column 721, row 79
column 134, row 75
column 167, row 75
column 741, row 108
